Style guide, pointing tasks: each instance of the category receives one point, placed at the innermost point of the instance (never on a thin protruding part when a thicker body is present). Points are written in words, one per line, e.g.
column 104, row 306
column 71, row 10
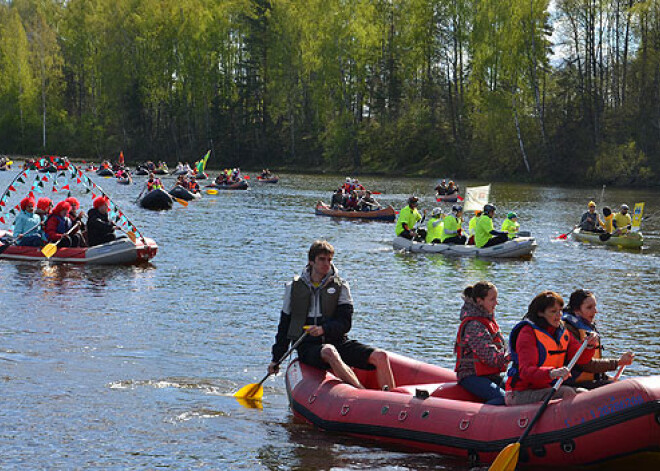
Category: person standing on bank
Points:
column 480, row 349
column 319, row 298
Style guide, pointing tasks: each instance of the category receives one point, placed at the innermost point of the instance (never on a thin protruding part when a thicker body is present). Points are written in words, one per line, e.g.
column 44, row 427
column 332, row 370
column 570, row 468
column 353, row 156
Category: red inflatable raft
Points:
column 118, row 252
column 429, row 411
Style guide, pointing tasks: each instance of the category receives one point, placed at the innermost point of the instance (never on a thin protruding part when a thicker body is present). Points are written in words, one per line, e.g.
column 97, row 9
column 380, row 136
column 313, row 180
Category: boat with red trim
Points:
column 118, row 252
column 239, row 185
column 429, row 411
column 271, row 179
column 383, row 214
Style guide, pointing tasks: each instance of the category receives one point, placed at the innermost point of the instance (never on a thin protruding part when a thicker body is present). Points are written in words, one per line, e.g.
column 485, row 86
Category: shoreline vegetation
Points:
column 505, row 90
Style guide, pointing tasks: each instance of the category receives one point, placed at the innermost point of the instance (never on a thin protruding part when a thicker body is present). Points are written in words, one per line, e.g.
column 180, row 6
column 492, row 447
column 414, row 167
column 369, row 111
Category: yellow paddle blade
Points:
column 181, row 202
column 250, row 403
column 211, row 192
column 49, row 250
column 252, row 392
column 507, row 459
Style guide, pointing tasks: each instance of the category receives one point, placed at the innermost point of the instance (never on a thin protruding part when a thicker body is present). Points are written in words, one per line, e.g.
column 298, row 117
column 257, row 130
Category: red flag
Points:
column 77, row 180
column 2, row 220
column 11, row 188
column 65, row 187
column 2, row 203
column 121, row 157
column 93, row 196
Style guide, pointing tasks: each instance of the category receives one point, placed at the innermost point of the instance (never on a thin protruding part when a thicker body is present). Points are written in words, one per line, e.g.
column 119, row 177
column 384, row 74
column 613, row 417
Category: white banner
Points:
column 476, row 197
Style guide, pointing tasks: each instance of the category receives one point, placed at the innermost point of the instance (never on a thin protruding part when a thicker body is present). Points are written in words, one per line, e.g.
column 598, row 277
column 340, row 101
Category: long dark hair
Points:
column 478, row 290
column 577, row 298
column 540, row 303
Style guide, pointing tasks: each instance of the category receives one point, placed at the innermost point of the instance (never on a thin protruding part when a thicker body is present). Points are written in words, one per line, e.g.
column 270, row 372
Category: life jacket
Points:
column 451, row 226
column 434, row 232
column 608, row 223
column 482, row 369
column 150, row 184
column 63, row 224
column 552, row 351
column 583, row 328
column 301, row 300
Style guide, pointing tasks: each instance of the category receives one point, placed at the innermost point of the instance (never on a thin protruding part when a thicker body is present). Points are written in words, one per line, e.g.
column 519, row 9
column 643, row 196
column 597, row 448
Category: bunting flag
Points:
column 121, row 157
column 65, row 187
column 11, row 188
column 2, row 220
column 20, row 180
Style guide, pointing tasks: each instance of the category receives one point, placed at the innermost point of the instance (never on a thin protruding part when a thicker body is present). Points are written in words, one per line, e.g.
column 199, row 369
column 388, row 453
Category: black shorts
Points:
column 352, row 352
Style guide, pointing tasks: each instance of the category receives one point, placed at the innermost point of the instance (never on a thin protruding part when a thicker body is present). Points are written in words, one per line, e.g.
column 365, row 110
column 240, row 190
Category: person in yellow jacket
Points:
column 434, row 227
column 511, row 225
column 472, row 226
column 452, row 231
column 622, row 221
column 608, row 220
column 485, row 235
column 408, row 217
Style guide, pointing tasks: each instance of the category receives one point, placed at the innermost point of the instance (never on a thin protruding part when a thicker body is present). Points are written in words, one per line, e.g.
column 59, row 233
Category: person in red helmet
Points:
column 44, row 207
column 58, row 226
column 75, row 214
column 27, row 226
column 100, row 230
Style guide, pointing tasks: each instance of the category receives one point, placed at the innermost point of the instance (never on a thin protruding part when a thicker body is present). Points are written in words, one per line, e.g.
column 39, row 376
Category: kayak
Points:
column 157, row 199
column 429, row 411
column 181, row 193
column 240, row 185
column 383, row 214
column 272, row 179
column 632, row 240
column 520, row 247
column 117, row 252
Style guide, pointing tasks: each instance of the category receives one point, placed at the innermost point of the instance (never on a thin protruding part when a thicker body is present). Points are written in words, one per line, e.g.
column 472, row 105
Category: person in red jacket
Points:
column 540, row 346
column 58, row 224
column 480, row 350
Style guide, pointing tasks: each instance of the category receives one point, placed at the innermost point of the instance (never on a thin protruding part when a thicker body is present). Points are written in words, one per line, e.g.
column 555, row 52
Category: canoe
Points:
column 429, row 411
column 105, row 172
column 520, row 247
column 240, row 185
column 117, row 252
column 157, row 199
column 268, row 180
column 181, row 193
column 384, row 214
column 632, row 240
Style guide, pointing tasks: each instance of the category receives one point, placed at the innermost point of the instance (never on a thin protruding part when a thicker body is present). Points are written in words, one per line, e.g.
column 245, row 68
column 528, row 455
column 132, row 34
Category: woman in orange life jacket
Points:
column 480, row 348
column 579, row 320
column 540, row 346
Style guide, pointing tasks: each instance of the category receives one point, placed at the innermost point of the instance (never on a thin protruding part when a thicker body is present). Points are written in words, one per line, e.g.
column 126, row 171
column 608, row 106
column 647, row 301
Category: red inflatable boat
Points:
column 429, row 411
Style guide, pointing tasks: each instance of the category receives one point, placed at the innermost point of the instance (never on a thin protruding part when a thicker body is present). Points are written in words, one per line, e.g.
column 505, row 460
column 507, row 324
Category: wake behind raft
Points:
column 429, row 411
column 120, row 251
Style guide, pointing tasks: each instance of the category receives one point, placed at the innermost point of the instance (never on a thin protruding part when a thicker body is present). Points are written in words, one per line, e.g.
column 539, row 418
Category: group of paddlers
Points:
column 229, row 176
column 448, row 229
column 446, row 189
column 317, row 315
column 352, row 196
column 611, row 223
column 42, row 222
column 188, row 182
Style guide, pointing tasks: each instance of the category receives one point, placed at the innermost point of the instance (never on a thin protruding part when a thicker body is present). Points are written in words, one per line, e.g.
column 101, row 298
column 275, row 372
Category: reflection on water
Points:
column 142, row 361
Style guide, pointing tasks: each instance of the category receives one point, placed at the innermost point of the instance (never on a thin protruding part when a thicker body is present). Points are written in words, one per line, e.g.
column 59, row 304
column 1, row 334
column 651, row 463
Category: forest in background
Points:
column 532, row 90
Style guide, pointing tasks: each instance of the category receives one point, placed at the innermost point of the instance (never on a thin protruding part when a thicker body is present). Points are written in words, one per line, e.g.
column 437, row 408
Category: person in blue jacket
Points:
column 27, row 226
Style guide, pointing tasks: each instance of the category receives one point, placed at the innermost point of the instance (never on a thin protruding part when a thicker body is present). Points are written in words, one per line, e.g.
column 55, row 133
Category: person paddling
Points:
column 579, row 318
column 321, row 299
column 100, row 230
column 622, row 221
column 540, row 346
column 27, row 225
column 590, row 221
column 452, row 230
column 484, row 233
column 408, row 217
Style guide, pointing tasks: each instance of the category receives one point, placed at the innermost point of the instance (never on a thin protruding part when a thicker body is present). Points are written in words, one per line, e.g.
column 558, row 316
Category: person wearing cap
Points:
column 27, row 226
column 590, row 220
column 511, row 225
column 484, row 233
column 434, row 227
column 472, row 226
column 622, row 221
column 452, row 231
column 58, row 224
column 100, row 230
column 408, row 217
column 44, row 207
column 368, row 202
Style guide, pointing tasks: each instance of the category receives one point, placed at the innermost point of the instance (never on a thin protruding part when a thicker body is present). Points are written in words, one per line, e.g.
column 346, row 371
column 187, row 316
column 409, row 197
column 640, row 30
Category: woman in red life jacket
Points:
column 480, row 350
column 540, row 346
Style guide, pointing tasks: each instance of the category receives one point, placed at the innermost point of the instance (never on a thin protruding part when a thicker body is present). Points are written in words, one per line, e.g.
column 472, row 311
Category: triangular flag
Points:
column 54, row 189
column 2, row 220
column 65, row 187
column 2, row 202
column 77, row 180
column 20, row 180
column 11, row 188
column 31, row 195
column 93, row 196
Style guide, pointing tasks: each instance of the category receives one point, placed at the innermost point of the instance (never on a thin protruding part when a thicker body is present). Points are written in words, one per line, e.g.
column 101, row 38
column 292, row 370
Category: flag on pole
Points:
column 476, row 197
column 201, row 165
column 121, row 157
column 637, row 217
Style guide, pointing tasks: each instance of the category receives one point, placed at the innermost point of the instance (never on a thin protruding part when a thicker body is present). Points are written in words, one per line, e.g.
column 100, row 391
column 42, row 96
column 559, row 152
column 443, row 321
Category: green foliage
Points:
column 620, row 164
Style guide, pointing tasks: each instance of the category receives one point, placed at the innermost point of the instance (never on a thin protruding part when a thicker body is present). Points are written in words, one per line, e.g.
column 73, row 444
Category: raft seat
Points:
column 449, row 390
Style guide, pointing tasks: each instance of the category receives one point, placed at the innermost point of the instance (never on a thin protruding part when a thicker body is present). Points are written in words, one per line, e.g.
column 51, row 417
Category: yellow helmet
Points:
column 591, row 203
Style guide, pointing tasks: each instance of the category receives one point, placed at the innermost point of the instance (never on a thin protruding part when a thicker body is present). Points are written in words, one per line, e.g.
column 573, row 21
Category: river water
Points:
column 134, row 367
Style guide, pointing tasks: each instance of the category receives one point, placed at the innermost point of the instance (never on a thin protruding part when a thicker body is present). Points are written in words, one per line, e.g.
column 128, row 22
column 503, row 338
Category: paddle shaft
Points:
column 556, row 387
column 618, row 373
column 75, row 226
column 284, row 357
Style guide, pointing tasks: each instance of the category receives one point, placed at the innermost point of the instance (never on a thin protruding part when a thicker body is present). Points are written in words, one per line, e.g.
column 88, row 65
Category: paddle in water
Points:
column 255, row 391
column 508, row 458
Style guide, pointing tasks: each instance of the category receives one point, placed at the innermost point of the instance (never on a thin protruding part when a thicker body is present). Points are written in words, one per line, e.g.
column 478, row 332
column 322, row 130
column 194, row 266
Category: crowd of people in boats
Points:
column 617, row 224
column 188, row 182
column 317, row 314
column 229, row 176
column 42, row 222
column 352, row 196
column 448, row 229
